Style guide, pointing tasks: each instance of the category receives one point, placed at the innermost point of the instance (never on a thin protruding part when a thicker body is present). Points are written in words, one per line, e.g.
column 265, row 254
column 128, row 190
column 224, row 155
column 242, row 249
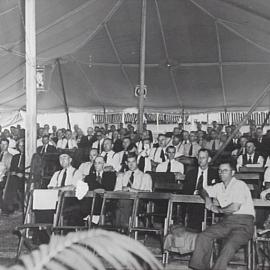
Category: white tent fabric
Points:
column 201, row 55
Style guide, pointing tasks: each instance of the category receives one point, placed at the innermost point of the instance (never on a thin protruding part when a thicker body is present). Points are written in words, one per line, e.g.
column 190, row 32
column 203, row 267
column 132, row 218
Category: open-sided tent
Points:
column 200, row 54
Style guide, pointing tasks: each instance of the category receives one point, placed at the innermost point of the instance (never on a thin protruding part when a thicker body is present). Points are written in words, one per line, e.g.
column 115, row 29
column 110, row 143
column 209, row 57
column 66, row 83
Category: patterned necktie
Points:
column 131, row 180
column 162, row 155
column 190, row 150
column 64, row 178
column 169, row 167
column 1, row 156
column 106, row 157
column 200, row 182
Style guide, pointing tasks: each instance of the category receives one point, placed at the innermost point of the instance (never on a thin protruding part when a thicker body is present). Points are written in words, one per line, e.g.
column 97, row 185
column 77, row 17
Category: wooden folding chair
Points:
column 59, row 225
column 148, row 208
column 117, row 210
column 253, row 180
column 38, row 200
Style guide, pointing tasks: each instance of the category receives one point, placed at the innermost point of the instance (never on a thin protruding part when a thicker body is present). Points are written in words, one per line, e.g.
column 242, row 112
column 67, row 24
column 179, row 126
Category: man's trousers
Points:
column 236, row 230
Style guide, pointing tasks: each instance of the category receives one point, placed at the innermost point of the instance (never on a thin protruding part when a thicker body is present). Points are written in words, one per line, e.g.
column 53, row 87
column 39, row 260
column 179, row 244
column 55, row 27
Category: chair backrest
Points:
column 39, row 200
column 70, row 194
column 166, row 182
column 45, row 199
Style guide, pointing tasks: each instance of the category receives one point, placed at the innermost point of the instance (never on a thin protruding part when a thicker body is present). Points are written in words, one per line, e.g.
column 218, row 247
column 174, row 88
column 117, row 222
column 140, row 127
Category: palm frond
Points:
column 94, row 249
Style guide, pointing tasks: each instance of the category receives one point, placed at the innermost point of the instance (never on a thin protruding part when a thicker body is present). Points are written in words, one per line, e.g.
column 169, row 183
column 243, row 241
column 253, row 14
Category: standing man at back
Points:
column 195, row 181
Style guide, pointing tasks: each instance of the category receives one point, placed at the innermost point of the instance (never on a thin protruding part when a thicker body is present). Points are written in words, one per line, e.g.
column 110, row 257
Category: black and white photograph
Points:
column 134, row 134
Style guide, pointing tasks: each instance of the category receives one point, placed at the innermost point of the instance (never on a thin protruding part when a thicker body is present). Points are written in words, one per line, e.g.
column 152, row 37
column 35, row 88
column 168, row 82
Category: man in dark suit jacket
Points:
column 101, row 179
column 195, row 180
column 46, row 147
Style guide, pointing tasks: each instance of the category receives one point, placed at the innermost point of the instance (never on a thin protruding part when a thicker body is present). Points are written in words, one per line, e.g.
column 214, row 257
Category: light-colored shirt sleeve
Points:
column 119, row 182
column 53, row 182
column 239, row 162
column 266, row 176
column 212, row 190
column 146, row 184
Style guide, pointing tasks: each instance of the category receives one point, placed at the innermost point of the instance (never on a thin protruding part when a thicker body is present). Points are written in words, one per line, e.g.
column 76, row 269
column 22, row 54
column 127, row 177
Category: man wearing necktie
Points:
column 120, row 158
column 195, row 180
column 87, row 168
column 46, row 147
column 132, row 180
column 157, row 154
column 109, row 155
column 101, row 179
column 251, row 158
column 67, row 177
column 241, row 149
column 98, row 144
column 170, row 165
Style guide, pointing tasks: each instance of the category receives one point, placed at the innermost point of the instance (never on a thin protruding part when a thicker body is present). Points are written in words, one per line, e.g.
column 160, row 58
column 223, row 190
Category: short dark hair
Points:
column 170, row 147
column 161, row 134
column 228, row 161
column 5, row 140
column 132, row 155
column 204, row 150
column 46, row 136
column 131, row 146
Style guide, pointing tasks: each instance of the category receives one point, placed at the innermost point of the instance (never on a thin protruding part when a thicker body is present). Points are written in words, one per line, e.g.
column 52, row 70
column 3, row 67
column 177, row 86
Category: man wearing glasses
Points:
column 237, row 225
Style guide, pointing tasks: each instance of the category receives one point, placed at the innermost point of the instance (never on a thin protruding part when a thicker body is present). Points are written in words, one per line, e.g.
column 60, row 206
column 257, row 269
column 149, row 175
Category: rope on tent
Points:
column 221, row 74
column 118, row 57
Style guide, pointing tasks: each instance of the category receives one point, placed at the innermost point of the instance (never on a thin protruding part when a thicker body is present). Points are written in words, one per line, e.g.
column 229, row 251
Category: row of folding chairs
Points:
column 143, row 211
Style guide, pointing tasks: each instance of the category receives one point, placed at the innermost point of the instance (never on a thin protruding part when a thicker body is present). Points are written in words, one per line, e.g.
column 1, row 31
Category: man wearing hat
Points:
column 68, row 176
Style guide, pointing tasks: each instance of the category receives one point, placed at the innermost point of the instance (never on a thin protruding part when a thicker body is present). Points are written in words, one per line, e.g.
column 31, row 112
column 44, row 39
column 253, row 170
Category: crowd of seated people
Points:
column 176, row 151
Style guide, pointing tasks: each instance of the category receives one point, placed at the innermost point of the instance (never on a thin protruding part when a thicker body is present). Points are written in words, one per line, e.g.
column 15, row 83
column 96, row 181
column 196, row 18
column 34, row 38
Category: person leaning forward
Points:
column 237, row 226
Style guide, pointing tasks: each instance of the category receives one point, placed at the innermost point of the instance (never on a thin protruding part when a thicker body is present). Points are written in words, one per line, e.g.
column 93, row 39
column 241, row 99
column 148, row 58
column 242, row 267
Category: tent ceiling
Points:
column 200, row 54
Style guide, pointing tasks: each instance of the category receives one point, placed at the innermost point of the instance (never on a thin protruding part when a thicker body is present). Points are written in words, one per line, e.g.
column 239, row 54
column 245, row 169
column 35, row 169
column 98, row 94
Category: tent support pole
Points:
column 64, row 92
column 253, row 107
column 31, row 96
column 142, row 68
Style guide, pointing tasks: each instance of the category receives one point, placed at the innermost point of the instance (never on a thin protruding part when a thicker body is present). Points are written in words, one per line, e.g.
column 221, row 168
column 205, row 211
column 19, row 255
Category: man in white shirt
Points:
column 87, row 167
column 109, row 155
column 170, row 165
column 191, row 148
column 214, row 144
column 237, row 226
column 176, row 142
column 242, row 150
column 98, row 144
column 68, row 176
column 68, row 142
column 157, row 154
column 144, row 161
column 251, row 158
column 121, row 157
column 133, row 179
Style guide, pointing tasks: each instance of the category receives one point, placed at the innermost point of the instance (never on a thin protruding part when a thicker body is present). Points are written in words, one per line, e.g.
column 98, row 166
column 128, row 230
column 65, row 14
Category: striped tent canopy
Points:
column 201, row 55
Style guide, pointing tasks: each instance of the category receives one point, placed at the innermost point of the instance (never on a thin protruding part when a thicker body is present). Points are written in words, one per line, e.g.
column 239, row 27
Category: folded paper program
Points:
column 45, row 199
